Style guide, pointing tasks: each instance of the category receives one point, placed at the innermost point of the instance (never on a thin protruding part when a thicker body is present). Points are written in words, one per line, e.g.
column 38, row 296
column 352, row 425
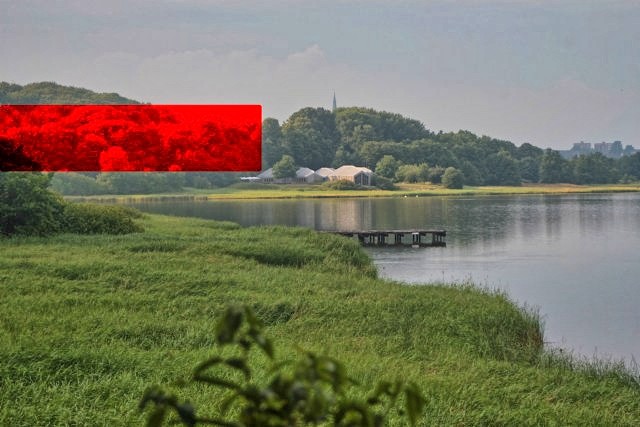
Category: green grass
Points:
column 88, row 322
column 297, row 191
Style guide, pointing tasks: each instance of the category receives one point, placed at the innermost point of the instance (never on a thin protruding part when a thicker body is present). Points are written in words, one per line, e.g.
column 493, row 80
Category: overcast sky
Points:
column 548, row 72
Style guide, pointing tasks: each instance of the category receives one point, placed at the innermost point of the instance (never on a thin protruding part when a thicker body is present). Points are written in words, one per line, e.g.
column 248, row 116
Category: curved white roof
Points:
column 304, row 172
column 350, row 170
column 324, row 172
column 266, row 174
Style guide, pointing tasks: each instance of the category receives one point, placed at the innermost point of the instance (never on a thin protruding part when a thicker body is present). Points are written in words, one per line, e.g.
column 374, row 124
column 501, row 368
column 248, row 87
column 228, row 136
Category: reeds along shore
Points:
column 88, row 322
column 262, row 191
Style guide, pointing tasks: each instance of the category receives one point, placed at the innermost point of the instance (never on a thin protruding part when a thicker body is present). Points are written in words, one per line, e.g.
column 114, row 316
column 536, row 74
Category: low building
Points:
column 307, row 176
column 303, row 176
column 356, row 174
column 266, row 177
column 324, row 173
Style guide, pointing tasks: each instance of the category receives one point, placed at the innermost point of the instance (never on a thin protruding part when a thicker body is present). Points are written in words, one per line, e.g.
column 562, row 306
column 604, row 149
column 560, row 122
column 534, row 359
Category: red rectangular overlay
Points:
column 130, row 137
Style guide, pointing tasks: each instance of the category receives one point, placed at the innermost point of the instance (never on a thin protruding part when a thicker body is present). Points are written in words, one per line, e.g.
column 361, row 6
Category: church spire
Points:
column 334, row 102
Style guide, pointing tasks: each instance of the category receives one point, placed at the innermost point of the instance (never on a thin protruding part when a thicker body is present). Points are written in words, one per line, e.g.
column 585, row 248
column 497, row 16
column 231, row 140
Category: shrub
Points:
column 341, row 184
column 452, row 178
column 285, row 168
column 254, row 186
column 434, row 174
column 409, row 173
column 27, row 206
column 383, row 183
column 387, row 166
column 84, row 218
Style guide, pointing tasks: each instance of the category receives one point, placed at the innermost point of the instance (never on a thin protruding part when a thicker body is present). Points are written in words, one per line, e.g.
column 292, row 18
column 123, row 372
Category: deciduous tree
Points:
column 387, row 167
column 285, row 167
column 452, row 178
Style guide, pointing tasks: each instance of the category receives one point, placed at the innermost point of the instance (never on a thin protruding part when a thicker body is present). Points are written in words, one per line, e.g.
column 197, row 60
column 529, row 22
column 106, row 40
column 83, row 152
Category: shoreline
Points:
column 147, row 317
column 404, row 190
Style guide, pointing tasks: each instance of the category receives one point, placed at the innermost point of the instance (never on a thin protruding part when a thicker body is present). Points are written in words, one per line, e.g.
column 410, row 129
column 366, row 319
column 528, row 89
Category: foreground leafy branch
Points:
column 314, row 390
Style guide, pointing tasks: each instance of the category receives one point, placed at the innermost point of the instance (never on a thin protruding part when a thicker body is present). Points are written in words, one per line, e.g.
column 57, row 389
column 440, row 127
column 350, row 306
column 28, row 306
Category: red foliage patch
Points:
column 132, row 137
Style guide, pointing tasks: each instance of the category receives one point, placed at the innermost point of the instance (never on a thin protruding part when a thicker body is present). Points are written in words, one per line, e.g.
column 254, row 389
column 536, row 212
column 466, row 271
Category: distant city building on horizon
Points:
column 609, row 149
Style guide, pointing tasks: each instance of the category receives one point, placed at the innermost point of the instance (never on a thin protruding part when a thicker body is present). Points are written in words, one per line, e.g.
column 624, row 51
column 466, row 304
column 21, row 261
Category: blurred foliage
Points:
column 313, row 390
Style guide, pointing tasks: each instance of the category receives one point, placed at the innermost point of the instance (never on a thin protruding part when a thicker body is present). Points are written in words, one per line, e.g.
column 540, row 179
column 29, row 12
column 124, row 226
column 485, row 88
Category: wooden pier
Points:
column 414, row 238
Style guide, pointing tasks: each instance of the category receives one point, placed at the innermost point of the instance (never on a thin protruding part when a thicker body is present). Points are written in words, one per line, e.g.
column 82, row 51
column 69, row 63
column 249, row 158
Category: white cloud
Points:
column 282, row 85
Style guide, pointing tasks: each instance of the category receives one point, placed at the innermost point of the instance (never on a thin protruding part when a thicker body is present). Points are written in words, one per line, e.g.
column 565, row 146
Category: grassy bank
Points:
column 87, row 322
column 257, row 191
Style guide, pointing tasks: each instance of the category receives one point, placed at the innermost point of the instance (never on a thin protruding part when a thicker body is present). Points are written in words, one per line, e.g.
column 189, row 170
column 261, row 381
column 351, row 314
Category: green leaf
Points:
column 415, row 402
column 277, row 367
column 187, row 414
column 373, row 400
column 199, row 374
column 317, row 408
column 252, row 394
column 157, row 416
column 207, row 364
column 229, row 325
column 386, row 388
column 217, row 381
column 218, row 422
column 353, row 413
column 253, row 321
column 244, row 343
column 239, row 364
column 263, row 342
column 227, row 402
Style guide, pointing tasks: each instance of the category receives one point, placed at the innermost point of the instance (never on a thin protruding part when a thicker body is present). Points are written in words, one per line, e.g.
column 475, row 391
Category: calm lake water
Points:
column 575, row 258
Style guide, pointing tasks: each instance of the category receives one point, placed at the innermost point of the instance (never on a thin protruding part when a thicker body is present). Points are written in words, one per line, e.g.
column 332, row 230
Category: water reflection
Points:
column 469, row 221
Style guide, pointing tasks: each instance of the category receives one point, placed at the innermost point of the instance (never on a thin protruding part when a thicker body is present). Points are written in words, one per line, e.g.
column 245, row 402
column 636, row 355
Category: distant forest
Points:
column 403, row 149
column 395, row 147
column 53, row 93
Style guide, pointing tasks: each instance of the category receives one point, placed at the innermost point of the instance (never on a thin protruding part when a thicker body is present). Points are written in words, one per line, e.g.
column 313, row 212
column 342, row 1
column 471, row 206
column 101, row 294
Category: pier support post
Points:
column 383, row 237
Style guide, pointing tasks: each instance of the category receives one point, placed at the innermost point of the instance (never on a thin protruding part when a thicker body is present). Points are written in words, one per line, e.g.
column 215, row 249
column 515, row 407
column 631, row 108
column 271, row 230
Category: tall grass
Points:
column 88, row 322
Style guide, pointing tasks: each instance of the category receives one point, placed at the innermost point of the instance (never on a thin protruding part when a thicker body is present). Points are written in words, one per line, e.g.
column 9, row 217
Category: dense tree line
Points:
column 402, row 149
column 133, row 138
column 92, row 183
column 96, row 183
column 316, row 137
column 53, row 93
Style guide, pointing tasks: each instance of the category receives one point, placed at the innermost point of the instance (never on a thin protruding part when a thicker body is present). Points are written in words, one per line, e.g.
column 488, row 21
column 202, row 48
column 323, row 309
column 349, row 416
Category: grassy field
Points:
column 258, row 191
column 88, row 322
